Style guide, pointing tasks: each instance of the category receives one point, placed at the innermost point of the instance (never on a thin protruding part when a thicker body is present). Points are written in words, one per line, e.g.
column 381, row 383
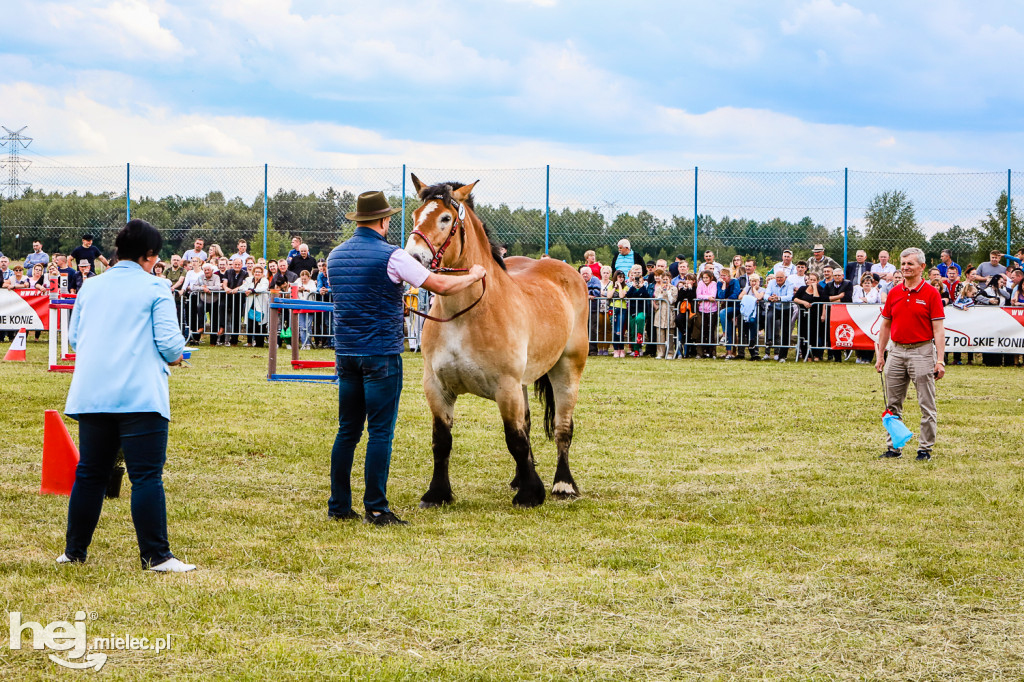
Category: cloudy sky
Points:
column 730, row 85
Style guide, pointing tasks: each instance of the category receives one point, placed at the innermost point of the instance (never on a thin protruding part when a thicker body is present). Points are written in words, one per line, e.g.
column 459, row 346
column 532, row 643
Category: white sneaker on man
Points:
column 173, row 565
column 65, row 559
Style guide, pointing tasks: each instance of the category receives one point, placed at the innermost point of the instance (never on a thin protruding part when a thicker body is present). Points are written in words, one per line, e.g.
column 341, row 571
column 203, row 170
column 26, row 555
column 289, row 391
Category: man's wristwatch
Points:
column 941, row 363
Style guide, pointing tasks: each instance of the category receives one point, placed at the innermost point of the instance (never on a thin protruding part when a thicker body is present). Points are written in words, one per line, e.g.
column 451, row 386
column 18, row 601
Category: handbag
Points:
column 748, row 308
column 256, row 315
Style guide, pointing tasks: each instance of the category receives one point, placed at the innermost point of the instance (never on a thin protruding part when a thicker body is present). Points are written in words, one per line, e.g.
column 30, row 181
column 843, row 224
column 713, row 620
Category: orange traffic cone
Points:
column 60, row 456
column 17, row 349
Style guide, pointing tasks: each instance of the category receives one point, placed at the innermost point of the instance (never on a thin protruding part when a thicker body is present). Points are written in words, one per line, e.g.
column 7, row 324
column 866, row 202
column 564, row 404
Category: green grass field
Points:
column 735, row 523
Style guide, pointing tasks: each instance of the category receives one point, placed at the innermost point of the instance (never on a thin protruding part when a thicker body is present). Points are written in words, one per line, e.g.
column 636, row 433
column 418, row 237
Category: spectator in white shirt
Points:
column 866, row 292
column 305, row 290
column 242, row 254
column 787, row 265
column 799, row 277
column 883, row 268
column 196, row 252
column 709, row 260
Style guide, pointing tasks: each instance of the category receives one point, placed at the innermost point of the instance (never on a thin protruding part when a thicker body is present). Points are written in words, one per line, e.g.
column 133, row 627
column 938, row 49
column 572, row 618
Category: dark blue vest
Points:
column 368, row 309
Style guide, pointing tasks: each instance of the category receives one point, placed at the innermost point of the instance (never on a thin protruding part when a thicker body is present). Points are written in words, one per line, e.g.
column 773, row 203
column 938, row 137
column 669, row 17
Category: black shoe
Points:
column 923, row 455
column 350, row 515
column 387, row 518
column 890, row 454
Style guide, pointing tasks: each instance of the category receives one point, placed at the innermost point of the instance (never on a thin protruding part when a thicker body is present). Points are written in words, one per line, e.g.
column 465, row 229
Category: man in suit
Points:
column 855, row 270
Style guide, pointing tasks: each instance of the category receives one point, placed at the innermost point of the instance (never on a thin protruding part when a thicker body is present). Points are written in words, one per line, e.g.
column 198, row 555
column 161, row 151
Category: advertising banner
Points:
column 28, row 308
column 981, row 329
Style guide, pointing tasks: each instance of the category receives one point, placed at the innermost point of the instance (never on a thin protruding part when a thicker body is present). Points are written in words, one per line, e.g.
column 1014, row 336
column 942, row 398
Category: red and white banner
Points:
column 981, row 329
column 28, row 308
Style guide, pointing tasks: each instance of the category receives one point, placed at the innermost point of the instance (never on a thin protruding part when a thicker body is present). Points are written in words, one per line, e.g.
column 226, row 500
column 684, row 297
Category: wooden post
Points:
column 295, row 335
column 272, row 355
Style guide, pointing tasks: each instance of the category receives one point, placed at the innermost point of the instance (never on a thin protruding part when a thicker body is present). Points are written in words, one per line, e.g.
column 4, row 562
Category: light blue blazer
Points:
column 124, row 331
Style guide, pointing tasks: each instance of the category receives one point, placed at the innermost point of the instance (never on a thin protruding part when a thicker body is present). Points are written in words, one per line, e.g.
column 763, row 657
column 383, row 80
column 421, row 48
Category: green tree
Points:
column 560, row 251
column 891, row 223
column 992, row 230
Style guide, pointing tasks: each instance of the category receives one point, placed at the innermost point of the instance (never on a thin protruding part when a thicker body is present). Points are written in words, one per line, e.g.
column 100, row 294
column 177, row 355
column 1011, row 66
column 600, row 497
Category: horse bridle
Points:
column 458, row 225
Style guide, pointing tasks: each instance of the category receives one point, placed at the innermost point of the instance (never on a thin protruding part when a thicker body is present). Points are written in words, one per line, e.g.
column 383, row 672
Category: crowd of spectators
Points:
column 222, row 296
column 655, row 308
column 665, row 310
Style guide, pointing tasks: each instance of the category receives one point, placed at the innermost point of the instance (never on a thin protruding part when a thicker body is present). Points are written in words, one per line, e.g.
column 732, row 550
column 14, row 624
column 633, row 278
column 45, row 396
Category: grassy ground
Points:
column 735, row 522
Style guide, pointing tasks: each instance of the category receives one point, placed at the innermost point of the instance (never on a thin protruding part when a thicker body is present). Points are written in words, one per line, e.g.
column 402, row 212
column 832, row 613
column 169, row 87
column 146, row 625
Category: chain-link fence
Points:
column 562, row 211
column 759, row 214
column 60, row 205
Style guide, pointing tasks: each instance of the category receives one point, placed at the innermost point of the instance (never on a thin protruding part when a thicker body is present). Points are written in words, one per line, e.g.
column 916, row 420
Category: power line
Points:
column 15, row 164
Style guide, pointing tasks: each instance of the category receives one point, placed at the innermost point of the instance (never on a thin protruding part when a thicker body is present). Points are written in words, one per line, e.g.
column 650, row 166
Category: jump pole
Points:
column 293, row 307
column 60, row 313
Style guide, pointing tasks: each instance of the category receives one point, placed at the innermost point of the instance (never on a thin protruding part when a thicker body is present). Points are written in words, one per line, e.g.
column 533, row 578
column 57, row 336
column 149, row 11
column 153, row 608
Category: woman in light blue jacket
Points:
column 125, row 333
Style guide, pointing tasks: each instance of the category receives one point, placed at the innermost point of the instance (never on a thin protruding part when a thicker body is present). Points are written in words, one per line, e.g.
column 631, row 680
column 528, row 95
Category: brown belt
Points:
column 911, row 346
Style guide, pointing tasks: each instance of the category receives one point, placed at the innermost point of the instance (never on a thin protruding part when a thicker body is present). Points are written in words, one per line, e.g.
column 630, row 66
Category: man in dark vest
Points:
column 365, row 275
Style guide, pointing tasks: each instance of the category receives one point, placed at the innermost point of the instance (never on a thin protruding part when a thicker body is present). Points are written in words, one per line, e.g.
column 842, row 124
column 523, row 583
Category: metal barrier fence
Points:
column 233, row 319
column 699, row 328
column 556, row 210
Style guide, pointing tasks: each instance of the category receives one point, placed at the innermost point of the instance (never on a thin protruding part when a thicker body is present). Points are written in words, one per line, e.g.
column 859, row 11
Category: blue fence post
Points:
column 128, row 191
column 695, row 218
column 264, row 211
column 1009, row 208
column 846, row 209
column 547, row 208
column 403, row 203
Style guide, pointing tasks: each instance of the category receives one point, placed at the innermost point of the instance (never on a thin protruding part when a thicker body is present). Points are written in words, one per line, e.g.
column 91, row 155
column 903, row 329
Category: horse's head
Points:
column 439, row 225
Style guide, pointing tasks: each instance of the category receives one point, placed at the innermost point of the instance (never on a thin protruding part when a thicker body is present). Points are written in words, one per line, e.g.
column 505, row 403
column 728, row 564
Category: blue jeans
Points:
column 727, row 317
column 143, row 438
column 305, row 327
column 369, row 387
column 620, row 323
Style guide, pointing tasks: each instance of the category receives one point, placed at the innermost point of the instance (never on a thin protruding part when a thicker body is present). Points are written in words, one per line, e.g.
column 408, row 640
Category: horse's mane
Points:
column 443, row 191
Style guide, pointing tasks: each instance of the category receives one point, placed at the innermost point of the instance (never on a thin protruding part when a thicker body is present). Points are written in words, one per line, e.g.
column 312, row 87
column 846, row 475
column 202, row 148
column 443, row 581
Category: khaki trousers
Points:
column 917, row 365
column 662, row 336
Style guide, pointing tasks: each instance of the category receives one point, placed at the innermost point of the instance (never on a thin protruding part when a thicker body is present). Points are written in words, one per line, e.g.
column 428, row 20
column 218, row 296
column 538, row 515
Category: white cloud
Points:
column 824, row 16
column 136, row 24
column 536, row 3
column 127, row 29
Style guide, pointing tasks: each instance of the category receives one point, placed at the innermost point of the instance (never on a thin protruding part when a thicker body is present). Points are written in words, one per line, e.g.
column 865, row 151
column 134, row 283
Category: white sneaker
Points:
column 782, row 360
column 289, row 346
column 64, row 559
column 173, row 565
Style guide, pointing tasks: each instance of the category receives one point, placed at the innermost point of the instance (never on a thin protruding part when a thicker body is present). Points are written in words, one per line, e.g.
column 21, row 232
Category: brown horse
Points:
column 525, row 323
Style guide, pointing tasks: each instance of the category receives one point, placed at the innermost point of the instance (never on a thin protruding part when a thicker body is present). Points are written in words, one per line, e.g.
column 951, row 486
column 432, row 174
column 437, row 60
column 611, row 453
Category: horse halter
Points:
column 438, row 254
column 459, row 224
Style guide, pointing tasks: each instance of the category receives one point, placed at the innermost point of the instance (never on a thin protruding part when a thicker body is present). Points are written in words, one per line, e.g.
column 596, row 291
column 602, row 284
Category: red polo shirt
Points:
column 912, row 312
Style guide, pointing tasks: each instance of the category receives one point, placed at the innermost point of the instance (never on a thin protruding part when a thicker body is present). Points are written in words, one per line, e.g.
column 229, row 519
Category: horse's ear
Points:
column 462, row 193
column 417, row 184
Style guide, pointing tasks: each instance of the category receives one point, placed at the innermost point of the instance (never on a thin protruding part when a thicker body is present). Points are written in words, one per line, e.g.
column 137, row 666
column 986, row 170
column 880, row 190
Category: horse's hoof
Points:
column 514, row 484
column 528, row 500
column 429, row 500
column 563, row 490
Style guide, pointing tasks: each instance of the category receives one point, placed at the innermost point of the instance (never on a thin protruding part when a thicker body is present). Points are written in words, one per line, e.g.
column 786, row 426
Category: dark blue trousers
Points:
column 369, row 387
column 143, row 438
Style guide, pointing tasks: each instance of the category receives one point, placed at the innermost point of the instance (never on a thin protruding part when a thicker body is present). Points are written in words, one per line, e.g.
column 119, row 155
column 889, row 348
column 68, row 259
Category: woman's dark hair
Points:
column 138, row 239
column 619, row 273
column 711, row 277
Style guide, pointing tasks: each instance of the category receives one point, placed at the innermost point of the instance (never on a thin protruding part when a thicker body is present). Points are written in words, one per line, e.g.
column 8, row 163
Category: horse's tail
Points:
column 546, row 394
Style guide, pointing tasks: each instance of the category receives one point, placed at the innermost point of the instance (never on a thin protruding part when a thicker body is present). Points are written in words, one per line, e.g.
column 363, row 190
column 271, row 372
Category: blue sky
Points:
column 807, row 84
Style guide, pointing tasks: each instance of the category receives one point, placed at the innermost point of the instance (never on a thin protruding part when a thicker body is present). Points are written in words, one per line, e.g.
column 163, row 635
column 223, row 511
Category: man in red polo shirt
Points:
column 913, row 318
